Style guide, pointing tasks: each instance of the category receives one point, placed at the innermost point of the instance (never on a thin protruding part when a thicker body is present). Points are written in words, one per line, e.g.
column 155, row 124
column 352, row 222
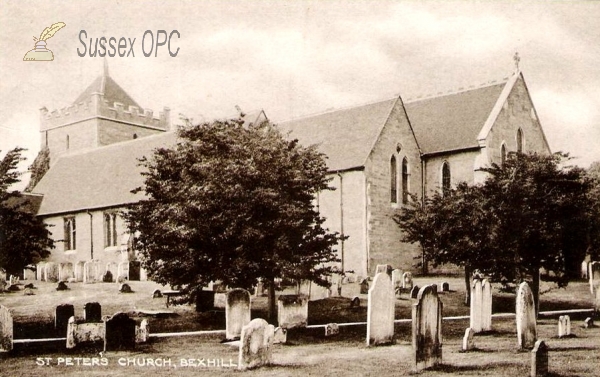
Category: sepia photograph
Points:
column 292, row 188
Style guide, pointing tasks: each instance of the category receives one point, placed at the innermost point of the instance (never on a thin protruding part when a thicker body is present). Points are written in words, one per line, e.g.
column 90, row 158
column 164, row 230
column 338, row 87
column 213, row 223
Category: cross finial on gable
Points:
column 517, row 59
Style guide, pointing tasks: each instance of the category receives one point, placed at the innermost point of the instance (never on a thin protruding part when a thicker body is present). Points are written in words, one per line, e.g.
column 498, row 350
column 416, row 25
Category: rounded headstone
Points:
column 125, row 288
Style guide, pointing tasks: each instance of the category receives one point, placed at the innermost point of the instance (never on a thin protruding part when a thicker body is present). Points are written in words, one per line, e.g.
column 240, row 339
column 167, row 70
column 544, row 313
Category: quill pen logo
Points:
column 40, row 52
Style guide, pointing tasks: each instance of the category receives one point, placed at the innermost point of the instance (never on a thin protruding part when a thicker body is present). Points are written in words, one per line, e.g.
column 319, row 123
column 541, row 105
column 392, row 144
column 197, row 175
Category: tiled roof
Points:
column 29, row 203
column 453, row 121
column 98, row 178
column 345, row 136
column 111, row 90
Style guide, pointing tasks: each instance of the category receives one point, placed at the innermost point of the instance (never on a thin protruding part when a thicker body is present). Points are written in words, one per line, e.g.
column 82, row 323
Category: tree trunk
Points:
column 535, row 289
column 272, row 313
column 468, row 285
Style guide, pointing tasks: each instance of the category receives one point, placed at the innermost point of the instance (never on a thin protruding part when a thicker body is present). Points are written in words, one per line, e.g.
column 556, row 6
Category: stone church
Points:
column 377, row 154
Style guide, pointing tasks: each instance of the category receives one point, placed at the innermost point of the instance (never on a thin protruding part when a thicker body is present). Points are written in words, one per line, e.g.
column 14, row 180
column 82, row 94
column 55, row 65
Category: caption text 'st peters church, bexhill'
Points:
column 377, row 153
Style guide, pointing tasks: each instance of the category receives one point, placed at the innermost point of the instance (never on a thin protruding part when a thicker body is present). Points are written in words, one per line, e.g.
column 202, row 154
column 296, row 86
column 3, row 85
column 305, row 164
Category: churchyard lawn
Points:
column 308, row 352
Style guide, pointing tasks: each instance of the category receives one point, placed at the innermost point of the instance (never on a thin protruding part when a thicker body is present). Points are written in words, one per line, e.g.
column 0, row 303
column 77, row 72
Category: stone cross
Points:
column 539, row 359
column 256, row 343
column 6, row 330
column 381, row 311
column 292, row 311
column 237, row 312
column 526, row 317
column 427, row 328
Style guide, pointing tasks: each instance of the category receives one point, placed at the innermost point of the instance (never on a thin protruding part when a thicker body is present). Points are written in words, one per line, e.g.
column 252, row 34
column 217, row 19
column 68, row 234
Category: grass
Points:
column 308, row 352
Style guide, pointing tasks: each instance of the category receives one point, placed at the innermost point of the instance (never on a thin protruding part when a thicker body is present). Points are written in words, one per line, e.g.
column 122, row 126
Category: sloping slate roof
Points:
column 97, row 178
column 29, row 203
column 345, row 136
column 453, row 121
column 112, row 92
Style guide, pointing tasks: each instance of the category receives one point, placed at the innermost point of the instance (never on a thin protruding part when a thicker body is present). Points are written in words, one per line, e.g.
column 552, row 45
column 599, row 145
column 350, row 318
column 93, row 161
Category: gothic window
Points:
column 502, row 154
column 110, row 229
column 446, row 179
column 70, row 233
column 393, row 181
column 405, row 177
column 520, row 140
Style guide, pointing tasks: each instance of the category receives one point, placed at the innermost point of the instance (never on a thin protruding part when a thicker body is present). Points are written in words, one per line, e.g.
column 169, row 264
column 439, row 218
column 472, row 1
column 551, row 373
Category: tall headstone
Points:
column 486, row 305
column 28, row 274
column 120, row 333
column 237, row 312
column 123, row 271
column 476, row 305
column 539, row 359
column 65, row 271
column 61, row 316
column 584, row 270
column 92, row 312
column 564, row 326
column 292, row 311
column 90, row 272
column 526, row 317
column 381, row 311
column 594, row 276
column 397, row 278
column 79, row 271
column 39, row 273
column 6, row 330
column 256, row 343
column 414, row 292
column 407, row 280
column 427, row 328
column 385, row 268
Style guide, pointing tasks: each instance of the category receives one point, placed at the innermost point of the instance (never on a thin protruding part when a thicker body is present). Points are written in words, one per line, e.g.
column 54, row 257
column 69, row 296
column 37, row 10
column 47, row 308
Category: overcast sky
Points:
column 293, row 58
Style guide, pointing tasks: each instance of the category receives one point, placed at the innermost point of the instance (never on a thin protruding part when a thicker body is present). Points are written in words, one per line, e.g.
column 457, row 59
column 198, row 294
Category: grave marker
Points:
column 564, row 326
column 486, row 305
column 427, row 328
column 364, row 286
column 256, row 344
column 292, row 311
column 407, row 280
column 584, row 270
column 332, row 329
column 380, row 311
column 79, row 270
column 120, row 333
column 476, row 305
column 61, row 316
column 92, row 312
column 594, row 276
column 89, row 332
column 142, row 331
column 414, row 292
column 384, row 268
column 51, row 272
column 280, row 336
column 468, row 343
column 39, row 272
column 397, row 278
column 445, row 286
column 6, row 330
column 65, row 271
column 525, row 316
column 539, row 359
column 237, row 312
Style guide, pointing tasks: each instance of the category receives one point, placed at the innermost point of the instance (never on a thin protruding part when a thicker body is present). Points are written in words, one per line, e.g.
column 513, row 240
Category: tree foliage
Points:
column 24, row 238
column 233, row 203
column 530, row 213
column 38, row 169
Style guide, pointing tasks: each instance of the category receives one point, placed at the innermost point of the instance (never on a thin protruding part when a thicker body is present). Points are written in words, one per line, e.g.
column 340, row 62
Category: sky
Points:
column 294, row 58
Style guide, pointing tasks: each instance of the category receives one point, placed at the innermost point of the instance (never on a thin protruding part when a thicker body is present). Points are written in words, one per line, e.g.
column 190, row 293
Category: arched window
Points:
column 520, row 140
column 446, row 179
column 393, row 180
column 404, row 180
column 502, row 154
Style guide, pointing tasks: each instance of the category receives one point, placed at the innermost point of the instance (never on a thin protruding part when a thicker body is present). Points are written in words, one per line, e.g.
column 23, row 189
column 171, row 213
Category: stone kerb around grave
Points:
column 292, row 311
column 427, row 328
column 237, row 312
column 380, row 311
column 525, row 317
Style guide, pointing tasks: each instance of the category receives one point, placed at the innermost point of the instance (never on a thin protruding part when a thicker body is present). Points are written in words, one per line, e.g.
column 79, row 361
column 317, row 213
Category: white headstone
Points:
column 564, row 326
column 237, row 312
column 385, row 268
column 28, row 274
column 476, row 305
column 90, row 271
column 407, row 280
column 318, row 292
column 584, row 270
column 66, row 271
column 397, row 278
column 292, row 311
column 6, row 330
column 51, row 272
column 427, row 328
column 256, row 343
column 40, row 271
column 123, row 270
column 486, row 305
column 468, row 343
column 114, row 270
column 380, row 311
column 79, row 270
column 526, row 317
column 594, row 276
column 142, row 331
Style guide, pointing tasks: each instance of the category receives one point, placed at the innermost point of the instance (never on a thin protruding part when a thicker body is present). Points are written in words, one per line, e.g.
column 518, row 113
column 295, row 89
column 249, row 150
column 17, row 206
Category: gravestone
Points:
column 280, row 336
column 335, row 290
column 407, row 280
column 90, row 271
column 134, row 270
column 468, row 343
column 61, row 316
column 355, row 303
column 292, row 311
column 364, row 286
column 414, row 292
column 256, row 343
column 79, row 271
column 397, row 278
column 445, row 286
column 588, row 323
column 220, row 301
column 205, row 300
column 142, row 332
column 476, row 305
column 237, row 312
column 28, row 274
column 123, row 271
column 113, row 268
column 427, row 328
column 584, row 270
column 92, row 312
column 51, row 272
column 539, row 359
column 594, row 276
column 39, row 272
column 380, row 311
column 332, row 329
column 65, row 271
column 157, row 294
column 120, row 333
column 108, row 277
column 486, row 305
column 6, row 330
column 62, row 286
column 318, row 292
column 88, row 332
column 526, row 318
column 385, row 268
column 564, row 326
column 125, row 288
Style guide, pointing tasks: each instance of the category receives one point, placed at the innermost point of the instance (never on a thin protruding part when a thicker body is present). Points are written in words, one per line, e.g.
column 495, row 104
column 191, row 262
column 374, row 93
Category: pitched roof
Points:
column 98, row 178
column 345, row 136
column 111, row 90
column 27, row 202
column 453, row 121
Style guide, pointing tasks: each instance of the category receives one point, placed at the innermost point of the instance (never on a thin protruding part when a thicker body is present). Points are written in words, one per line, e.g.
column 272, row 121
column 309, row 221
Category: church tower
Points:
column 103, row 114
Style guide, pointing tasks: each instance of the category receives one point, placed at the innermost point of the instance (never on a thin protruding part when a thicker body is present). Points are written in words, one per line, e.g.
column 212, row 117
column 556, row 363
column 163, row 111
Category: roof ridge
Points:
column 338, row 109
column 459, row 90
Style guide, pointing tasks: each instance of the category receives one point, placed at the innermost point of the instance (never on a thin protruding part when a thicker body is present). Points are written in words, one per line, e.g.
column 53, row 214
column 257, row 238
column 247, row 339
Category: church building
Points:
column 377, row 154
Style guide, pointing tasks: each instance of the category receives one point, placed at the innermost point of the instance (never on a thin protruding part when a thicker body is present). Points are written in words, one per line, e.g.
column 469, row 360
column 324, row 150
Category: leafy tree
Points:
column 233, row 203
column 530, row 213
column 24, row 238
column 40, row 166
column 593, row 236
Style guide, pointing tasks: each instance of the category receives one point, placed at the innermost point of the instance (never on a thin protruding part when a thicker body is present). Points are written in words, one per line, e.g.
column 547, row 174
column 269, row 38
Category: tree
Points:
column 593, row 236
column 38, row 169
column 24, row 238
column 531, row 213
column 233, row 203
